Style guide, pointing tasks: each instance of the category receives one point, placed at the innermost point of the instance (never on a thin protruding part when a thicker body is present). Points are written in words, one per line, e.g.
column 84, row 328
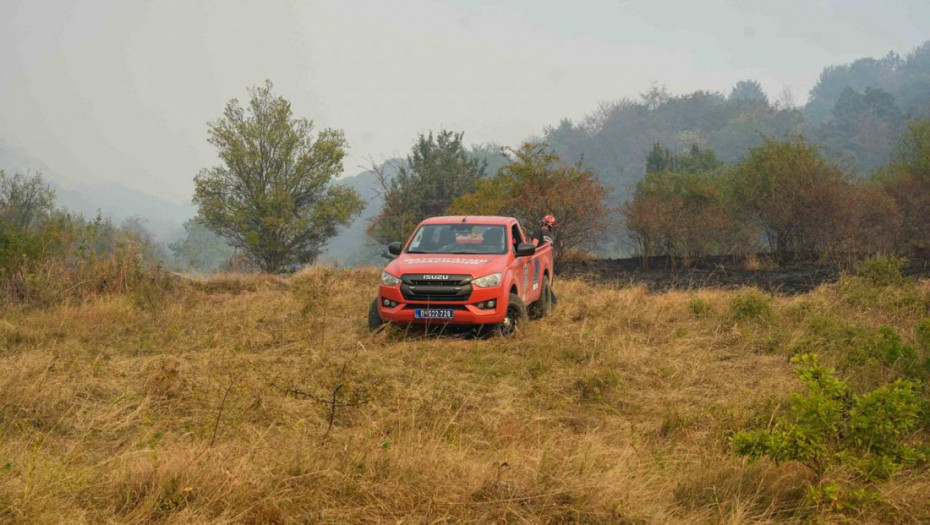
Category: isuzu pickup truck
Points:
column 480, row 272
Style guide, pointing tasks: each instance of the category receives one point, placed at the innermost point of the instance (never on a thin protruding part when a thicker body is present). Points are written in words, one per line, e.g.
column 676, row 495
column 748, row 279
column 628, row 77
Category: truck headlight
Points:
column 488, row 281
column 389, row 280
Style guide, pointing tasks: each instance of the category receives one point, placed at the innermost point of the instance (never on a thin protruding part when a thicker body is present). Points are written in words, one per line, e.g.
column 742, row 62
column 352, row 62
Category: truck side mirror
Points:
column 526, row 249
column 395, row 247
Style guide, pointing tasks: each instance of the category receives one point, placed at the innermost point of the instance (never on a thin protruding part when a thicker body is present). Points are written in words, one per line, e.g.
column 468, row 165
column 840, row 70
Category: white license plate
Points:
column 433, row 313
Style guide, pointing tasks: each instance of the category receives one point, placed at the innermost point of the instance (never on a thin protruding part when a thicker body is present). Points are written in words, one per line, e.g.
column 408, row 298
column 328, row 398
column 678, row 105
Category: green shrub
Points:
column 699, row 307
column 882, row 271
column 751, row 305
column 828, row 426
column 17, row 248
column 832, row 495
column 886, row 349
column 862, row 292
column 67, row 258
column 828, row 333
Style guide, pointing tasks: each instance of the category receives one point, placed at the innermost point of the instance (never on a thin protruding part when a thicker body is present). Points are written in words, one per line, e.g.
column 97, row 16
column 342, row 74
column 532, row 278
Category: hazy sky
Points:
column 120, row 91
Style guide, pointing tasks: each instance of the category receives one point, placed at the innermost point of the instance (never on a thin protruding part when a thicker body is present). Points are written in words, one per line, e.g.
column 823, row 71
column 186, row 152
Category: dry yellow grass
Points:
column 214, row 405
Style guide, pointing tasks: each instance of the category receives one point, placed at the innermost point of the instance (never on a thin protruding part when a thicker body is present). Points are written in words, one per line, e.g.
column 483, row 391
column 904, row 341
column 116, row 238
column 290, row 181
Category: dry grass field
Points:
column 255, row 399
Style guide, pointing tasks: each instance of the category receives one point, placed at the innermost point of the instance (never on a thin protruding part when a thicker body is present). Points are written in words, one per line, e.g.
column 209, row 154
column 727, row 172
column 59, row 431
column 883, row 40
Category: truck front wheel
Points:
column 515, row 317
column 374, row 318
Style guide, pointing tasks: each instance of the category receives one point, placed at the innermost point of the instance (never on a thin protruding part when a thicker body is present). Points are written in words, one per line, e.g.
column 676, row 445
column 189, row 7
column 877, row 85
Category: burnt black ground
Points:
column 718, row 272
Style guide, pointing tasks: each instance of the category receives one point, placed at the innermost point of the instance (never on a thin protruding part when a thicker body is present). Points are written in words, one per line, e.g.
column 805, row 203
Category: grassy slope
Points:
column 617, row 409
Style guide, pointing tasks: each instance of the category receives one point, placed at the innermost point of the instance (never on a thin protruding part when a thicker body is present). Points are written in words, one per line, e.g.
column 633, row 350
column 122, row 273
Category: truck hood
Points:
column 477, row 265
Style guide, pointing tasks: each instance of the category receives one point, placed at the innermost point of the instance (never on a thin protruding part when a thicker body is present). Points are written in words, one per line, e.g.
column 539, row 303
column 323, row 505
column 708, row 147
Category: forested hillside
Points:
column 855, row 112
column 855, row 115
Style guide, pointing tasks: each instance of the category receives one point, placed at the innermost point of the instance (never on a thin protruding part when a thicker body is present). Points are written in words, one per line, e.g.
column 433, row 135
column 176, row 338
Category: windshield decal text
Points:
column 448, row 260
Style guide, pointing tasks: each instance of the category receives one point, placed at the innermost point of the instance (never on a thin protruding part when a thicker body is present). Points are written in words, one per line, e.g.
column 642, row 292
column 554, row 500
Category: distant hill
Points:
column 164, row 219
column 351, row 246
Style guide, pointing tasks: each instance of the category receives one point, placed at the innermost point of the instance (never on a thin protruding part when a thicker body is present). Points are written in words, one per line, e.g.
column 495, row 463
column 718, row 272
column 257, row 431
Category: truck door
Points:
column 535, row 270
column 520, row 267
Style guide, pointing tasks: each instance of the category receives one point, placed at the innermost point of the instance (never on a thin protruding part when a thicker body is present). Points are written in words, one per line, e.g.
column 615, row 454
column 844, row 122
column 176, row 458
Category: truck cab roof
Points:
column 470, row 219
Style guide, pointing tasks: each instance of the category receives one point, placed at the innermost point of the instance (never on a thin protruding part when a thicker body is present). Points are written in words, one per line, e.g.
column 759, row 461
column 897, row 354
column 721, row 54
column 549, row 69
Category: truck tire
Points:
column 543, row 306
column 515, row 318
column 374, row 318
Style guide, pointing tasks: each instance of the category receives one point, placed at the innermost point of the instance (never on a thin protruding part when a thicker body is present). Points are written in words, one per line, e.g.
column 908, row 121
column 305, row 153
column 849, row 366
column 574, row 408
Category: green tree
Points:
column 912, row 154
column 749, row 91
column 680, row 210
column 864, row 128
column 790, row 192
column 273, row 195
column 914, row 91
column 201, row 249
column 24, row 200
column 536, row 183
column 863, row 73
column 438, row 170
column 659, row 159
column 907, row 179
column 26, row 203
column 698, row 160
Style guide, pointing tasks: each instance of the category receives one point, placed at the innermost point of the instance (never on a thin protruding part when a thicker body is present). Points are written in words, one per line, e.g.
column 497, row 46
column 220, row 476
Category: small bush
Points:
column 882, row 271
column 69, row 259
column 699, row 307
column 832, row 495
column 828, row 427
column 150, row 290
column 751, row 305
column 829, row 334
column 885, row 348
column 875, row 293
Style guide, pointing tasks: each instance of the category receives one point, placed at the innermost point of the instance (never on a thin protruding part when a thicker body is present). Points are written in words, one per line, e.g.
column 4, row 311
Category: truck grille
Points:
column 436, row 288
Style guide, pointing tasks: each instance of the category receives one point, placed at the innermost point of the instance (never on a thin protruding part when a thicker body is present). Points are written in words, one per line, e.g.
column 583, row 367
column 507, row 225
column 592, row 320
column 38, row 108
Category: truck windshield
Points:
column 459, row 238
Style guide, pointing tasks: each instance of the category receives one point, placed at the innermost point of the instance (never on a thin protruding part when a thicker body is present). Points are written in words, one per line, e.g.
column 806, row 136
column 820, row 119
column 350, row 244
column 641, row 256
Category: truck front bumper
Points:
column 464, row 312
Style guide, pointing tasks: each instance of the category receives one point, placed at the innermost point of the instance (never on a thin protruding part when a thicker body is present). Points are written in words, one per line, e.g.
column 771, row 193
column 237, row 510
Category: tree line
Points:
column 783, row 197
column 855, row 114
column 684, row 176
column 443, row 177
column 746, row 181
column 846, row 133
column 48, row 255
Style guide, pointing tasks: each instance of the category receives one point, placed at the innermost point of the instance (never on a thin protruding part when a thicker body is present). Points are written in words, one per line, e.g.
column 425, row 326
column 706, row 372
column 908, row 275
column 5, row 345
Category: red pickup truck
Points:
column 477, row 271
